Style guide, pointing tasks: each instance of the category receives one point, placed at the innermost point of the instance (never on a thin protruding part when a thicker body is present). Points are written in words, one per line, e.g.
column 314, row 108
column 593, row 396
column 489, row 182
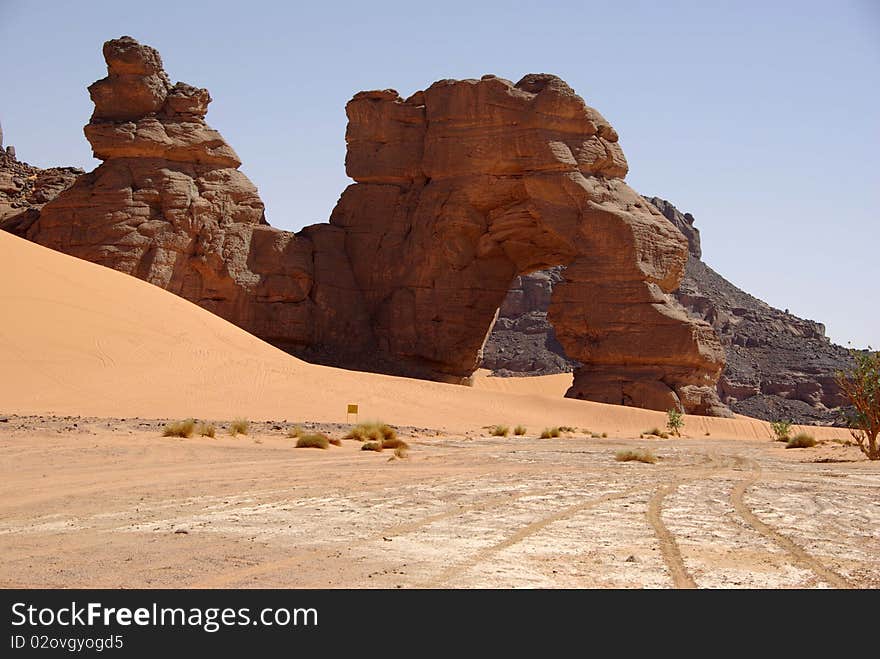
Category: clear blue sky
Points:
column 760, row 118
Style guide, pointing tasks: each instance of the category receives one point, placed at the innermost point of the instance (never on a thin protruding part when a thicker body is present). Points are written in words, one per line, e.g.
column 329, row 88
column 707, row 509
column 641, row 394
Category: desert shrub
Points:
column 294, row 432
column 674, row 422
column 179, row 428
column 239, row 427
column 801, row 440
column 395, row 443
column 781, row 430
column 547, row 433
column 638, row 455
column 519, row 431
column 861, row 385
column 375, row 431
column 315, row 440
column 371, row 446
column 207, row 430
column 604, row 435
column 500, row 431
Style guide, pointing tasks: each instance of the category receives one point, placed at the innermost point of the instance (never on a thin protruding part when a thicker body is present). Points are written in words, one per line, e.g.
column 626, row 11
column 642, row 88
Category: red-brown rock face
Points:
column 470, row 183
column 458, row 189
column 170, row 206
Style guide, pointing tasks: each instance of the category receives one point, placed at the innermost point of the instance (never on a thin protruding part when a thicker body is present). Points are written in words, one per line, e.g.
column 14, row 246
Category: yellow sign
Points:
column 352, row 409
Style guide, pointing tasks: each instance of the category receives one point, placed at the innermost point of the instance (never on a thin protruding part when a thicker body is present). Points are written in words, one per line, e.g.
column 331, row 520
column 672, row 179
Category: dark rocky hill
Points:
column 779, row 366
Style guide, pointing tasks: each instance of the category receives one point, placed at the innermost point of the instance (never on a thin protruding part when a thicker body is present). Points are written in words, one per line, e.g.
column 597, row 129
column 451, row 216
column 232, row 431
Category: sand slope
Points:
column 80, row 339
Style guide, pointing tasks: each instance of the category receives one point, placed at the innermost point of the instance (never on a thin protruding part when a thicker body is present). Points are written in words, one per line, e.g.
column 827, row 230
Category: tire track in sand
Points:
column 305, row 556
column 523, row 532
column 681, row 578
column 798, row 553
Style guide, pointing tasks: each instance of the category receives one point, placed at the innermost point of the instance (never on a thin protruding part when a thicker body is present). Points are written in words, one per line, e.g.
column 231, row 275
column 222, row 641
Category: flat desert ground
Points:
column 94, row 362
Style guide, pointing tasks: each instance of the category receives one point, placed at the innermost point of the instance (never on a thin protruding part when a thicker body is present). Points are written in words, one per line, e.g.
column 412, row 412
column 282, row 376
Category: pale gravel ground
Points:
column 100, row 504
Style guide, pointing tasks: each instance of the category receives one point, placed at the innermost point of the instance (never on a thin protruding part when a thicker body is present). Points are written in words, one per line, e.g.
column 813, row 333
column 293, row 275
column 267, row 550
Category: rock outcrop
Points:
column 25, row 189
column 458, row 189
column 778, row 366
column 523, row 342
column 170, row 206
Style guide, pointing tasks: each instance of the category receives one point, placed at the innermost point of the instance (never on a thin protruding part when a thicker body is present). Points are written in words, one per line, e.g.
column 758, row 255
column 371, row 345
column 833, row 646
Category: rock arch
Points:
column 458, row 189
column 463, row 186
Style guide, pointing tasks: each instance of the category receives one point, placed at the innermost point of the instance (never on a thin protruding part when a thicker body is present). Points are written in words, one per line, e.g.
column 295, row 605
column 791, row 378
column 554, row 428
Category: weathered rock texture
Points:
column 459, row 189
column 170, row 206
column 523, row 342
column 24, row 189
column 778, row 366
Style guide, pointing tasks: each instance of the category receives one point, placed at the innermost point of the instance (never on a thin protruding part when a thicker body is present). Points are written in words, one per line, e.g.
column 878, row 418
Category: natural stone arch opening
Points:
column 470, row 183
column 458, row 189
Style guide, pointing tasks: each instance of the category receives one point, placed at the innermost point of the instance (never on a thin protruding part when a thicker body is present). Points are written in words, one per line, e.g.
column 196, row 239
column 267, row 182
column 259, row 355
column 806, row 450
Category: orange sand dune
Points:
column 80, row 339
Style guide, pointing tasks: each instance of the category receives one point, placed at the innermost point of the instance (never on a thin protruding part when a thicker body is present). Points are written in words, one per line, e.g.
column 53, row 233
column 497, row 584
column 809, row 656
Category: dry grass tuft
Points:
column 395, row 443
column 520, row 430
column 207, row 430
column 547, row 433
column 801, row 440
column 315, row 440
column 179, row 428
column 499, row 431
column 375, row 431
column 371, row 446
column 604, row 435
column 639, row 455
column 239, row 427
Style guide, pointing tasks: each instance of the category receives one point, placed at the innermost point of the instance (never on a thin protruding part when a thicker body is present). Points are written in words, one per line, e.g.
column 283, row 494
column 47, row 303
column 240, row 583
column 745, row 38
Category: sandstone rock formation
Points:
column 778, row 366
column 24, row 189
column 169, row 204
column 459, row 189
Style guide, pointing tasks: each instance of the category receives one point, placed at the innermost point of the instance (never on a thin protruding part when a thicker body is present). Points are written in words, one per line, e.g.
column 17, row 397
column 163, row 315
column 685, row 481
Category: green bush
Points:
column 781, row 430
column 674, row 422
column 861, row 385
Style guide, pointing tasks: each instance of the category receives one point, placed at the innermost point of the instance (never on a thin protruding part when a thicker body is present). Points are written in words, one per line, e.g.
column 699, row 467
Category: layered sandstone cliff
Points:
column 459, row 189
